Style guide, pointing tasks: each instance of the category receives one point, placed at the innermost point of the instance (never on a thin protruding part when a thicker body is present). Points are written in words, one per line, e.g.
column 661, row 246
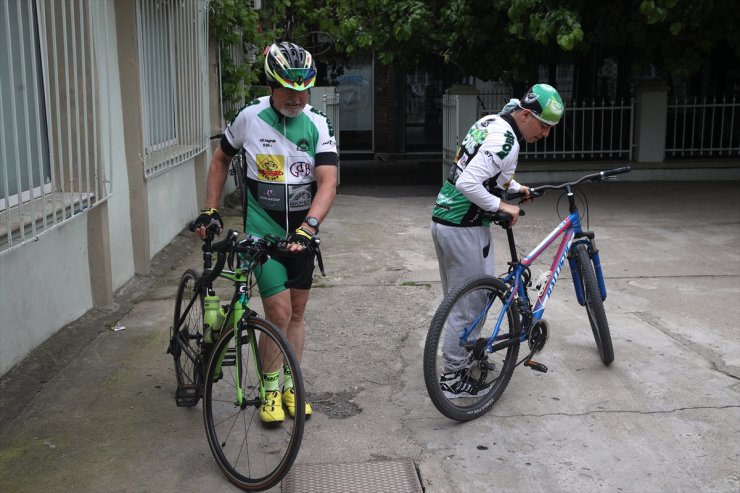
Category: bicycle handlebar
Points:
column 601, row 175
column 503, row 219
column 259, row 249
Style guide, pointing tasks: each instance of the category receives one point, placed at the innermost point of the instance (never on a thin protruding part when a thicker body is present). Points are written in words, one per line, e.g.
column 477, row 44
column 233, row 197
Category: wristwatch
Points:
column 313, row 222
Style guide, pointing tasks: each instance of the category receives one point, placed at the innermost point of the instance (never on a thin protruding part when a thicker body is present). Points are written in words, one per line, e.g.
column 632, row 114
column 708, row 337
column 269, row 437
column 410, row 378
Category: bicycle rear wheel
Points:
column 252, row 455
column 186, row 340
column 463, row 378
column 594, row 304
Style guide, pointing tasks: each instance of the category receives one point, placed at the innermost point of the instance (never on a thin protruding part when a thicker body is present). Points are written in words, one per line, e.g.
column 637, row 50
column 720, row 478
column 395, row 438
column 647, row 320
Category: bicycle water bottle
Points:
column 213, row 317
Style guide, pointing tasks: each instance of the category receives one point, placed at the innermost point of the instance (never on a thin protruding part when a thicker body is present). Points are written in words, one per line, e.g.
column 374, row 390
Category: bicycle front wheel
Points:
column 186, row 338
column 594, row 304
column 253, row 456
column 464, row 378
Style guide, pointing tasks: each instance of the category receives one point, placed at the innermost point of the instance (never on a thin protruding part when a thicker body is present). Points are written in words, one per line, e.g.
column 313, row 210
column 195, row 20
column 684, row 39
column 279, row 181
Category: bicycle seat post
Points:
column 512, row 246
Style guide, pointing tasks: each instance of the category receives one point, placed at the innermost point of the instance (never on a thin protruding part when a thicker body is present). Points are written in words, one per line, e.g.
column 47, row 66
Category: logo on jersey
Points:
column 303, row 145
column 508, row 143
column 299, row 197
column 270, row 167
column 267, row 142
column 300, row 169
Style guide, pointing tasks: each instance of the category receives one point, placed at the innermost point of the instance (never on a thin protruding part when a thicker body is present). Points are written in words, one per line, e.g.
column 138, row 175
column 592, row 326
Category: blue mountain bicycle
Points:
column 480, row 325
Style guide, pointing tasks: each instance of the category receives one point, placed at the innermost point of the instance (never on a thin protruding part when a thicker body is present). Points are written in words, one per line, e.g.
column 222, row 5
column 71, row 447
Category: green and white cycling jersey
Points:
column 485, row 161
column 281, row 158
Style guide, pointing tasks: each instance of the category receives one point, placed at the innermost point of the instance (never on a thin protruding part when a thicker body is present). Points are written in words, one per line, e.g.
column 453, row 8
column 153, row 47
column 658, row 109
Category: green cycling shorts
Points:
column 272, row 275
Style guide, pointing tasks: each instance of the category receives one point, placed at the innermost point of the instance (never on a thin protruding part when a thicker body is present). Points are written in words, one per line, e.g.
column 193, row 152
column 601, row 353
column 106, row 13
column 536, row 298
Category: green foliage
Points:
column 486, row 38
column 493, row 38
column 236, row 28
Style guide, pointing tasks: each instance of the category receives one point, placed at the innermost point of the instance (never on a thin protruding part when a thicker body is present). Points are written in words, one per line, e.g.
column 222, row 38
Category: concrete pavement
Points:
column 93, row 409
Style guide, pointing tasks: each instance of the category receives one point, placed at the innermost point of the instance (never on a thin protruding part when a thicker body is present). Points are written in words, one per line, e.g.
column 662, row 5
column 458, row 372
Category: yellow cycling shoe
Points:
column 289, row 401
column 272, row 410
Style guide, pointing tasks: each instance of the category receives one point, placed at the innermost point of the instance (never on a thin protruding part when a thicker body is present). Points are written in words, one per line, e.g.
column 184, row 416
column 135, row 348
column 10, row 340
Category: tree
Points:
column 493, row 39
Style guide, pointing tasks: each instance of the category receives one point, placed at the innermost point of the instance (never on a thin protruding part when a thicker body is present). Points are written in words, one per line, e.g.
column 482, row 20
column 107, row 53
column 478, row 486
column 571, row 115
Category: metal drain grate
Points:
column 397, row 476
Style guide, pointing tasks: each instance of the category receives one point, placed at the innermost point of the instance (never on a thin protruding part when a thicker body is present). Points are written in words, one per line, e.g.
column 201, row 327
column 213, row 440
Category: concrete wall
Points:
column 172, row 203
column 48, row 283
column 44, row 285
column 121, row 247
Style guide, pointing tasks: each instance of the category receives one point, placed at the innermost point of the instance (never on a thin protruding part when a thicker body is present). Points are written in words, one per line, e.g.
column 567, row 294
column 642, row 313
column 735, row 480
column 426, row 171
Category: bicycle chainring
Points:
column 538, row 335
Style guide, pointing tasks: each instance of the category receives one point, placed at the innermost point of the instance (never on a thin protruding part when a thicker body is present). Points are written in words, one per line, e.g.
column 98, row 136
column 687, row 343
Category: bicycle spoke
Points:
column 464, row 378
column 252, row 454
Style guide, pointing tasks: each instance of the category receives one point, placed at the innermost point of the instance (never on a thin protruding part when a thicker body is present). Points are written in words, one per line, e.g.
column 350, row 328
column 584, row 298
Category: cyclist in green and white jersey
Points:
column 291, row 177
column 484, row 163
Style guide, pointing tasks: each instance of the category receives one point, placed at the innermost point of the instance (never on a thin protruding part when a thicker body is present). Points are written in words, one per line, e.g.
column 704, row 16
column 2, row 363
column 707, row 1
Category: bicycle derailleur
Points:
column 479, row 360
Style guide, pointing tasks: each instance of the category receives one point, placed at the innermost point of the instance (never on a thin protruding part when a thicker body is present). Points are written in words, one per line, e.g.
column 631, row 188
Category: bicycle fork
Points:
column 586, row 238
column 233, row 356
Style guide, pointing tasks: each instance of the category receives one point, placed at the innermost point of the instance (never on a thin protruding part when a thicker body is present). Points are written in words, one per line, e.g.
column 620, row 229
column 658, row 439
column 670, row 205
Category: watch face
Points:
column 312, row 221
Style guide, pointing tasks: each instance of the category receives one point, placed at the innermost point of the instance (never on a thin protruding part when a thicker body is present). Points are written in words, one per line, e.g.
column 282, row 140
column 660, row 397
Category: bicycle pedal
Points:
column 186, row 396
column 536, row 366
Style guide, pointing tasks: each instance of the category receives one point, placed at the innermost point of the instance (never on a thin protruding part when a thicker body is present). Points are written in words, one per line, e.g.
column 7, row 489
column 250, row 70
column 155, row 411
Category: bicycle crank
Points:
column 538, row 335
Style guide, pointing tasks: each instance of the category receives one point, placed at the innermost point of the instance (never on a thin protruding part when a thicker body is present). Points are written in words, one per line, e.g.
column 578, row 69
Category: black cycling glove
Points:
column 211, row 219
column 301, row 236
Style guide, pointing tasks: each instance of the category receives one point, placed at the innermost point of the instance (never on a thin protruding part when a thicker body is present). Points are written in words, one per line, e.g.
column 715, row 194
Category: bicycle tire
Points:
column 186, row 341
column 499, row 365
column 594, row 304
column 253, row 456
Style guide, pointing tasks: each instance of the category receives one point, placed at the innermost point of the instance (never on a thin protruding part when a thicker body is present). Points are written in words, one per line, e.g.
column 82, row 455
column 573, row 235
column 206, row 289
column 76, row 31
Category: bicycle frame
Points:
column 238, row 307
column 569, row 229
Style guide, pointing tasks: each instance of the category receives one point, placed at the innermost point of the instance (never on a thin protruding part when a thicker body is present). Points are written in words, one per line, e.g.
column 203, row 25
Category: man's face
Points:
column 532, row 129
column 288, row 102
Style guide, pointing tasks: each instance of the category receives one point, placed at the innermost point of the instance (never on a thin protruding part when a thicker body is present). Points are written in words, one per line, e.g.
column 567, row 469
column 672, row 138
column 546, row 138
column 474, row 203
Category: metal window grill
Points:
column 53, row 85
column 173, row 61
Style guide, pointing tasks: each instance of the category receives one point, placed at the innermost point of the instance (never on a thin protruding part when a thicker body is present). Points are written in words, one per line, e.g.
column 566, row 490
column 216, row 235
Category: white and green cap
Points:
column 544, row 102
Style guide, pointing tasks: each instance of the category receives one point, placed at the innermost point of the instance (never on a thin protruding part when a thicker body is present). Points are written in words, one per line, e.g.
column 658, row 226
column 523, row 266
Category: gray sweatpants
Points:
column 461, row 253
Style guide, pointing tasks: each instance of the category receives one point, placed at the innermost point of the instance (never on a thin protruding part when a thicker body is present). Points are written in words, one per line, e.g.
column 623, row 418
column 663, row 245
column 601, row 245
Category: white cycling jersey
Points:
column 281, row 156
column 485, row 161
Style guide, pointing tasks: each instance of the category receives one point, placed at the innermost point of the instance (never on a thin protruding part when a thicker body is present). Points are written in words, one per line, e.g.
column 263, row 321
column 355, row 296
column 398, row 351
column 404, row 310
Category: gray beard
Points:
column 289, row 113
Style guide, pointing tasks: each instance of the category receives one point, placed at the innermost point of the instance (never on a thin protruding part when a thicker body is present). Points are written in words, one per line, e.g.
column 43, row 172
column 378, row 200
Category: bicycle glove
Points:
column 211, row 219
column 301, row 236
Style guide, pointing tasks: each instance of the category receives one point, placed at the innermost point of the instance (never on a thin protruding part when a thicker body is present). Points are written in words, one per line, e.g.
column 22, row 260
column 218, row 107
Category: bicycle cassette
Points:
column 538, row 336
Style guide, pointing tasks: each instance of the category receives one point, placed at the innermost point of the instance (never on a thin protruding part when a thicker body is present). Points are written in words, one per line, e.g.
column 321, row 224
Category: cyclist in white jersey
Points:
column 291, row 176
column 484, row 165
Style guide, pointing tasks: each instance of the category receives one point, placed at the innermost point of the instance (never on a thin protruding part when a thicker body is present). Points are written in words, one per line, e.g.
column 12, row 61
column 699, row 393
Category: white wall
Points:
column 172, row 204
column 44, row 285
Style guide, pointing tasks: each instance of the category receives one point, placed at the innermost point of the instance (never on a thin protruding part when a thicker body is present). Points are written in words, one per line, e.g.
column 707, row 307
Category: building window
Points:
column 51, row 164
column 173, row 69
column 23, row 138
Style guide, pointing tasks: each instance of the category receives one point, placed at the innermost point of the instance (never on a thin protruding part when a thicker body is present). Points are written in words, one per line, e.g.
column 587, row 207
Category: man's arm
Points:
column 326, row 182
column 217, row 174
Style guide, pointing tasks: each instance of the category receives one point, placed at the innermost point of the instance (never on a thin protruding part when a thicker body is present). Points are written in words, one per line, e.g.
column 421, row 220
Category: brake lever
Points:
column 316, row 242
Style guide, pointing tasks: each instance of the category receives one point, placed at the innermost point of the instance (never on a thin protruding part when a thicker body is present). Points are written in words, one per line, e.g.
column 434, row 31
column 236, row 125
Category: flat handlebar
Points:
column 504, row 219
column 600, row 176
